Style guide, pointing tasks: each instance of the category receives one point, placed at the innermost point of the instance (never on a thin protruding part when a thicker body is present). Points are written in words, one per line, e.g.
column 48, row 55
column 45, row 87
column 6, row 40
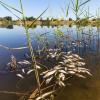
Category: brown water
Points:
column 84, row 89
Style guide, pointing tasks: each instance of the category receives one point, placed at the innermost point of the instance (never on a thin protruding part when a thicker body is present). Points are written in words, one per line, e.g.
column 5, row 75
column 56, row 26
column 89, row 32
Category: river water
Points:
column 85, row 42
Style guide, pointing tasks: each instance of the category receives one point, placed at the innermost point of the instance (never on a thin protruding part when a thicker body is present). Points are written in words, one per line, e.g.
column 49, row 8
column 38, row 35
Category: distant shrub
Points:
column 70, row 19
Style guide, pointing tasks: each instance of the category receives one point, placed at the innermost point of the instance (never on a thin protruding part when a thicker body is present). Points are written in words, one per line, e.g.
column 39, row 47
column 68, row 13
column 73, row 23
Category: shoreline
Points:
column 51, row 23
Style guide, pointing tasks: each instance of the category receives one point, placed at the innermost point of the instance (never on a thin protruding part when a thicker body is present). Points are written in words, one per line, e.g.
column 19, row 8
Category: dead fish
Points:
column 19, row 75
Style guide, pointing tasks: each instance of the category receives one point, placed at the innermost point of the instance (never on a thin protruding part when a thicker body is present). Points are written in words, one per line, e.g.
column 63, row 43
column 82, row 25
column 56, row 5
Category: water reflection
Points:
column 10, row 26
column 6, row 26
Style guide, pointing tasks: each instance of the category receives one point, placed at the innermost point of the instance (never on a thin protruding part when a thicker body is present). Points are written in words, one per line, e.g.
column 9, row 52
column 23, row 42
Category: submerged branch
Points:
column 13, row 93
column 5, row 47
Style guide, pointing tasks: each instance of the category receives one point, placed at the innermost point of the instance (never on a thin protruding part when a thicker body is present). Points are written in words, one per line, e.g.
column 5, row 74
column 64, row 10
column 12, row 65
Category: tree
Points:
column 93, row 19
column 8, row 18
column 47, row 19
column 30, row 18
column 70, row 19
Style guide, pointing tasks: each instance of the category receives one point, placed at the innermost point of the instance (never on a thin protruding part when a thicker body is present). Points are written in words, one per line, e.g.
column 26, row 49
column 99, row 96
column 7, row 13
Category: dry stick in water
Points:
column 14, row 93
column 5, row 47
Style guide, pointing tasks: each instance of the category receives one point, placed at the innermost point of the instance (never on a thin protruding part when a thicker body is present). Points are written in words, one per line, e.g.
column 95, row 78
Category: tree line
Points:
column 7, row 18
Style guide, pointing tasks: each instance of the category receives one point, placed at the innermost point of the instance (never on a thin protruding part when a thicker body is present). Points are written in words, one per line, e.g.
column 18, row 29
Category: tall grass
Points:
column 34, row 63
column 77, row 5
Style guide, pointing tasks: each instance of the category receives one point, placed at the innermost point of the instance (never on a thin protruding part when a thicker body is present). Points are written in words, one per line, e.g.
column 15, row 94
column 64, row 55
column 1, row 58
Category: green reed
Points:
column 34, row 63
column 77, row 6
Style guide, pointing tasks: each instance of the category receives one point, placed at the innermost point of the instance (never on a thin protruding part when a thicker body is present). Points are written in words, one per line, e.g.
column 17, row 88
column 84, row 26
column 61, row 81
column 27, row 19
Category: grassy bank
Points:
column 81, row 22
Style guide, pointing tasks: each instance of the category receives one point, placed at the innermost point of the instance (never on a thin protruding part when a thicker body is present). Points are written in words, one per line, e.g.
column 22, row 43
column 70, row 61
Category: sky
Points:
column 36, row 7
